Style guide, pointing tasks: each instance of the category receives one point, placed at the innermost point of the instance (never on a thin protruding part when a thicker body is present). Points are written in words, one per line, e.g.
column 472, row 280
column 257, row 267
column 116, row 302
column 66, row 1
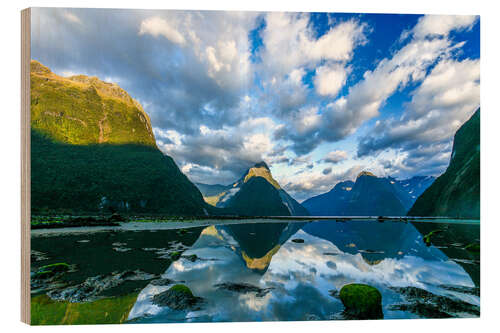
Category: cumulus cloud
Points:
column 307, row 184
column 330, row 79
column 227, row 89
column 335, row 157
column 158, row 26
column 446, row 98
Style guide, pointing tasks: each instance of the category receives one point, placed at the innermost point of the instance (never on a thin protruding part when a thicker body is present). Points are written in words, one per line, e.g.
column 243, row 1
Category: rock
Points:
column 243, row 288
column 162, row 282
column 175, row 255
column 298, row 240
column 178, row 297
column 192, row 257
column 427, row 238
column 428, row 305
column 473, row 247
column 361, row 301
column 51, row 270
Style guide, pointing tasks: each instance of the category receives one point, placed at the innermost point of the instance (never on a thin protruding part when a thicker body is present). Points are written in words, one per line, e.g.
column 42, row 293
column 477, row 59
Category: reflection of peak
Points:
column 365, row 173
column 260, row 263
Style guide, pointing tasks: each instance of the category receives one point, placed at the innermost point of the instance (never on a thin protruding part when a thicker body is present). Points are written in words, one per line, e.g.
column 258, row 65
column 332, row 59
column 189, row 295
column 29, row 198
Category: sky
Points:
column 319, row 97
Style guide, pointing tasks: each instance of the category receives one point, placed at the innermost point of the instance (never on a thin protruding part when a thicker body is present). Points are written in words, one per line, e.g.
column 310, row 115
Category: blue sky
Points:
column 318, row 96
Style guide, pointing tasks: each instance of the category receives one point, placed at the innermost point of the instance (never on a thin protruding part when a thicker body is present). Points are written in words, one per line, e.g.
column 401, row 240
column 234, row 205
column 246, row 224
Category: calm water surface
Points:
column 272, row 271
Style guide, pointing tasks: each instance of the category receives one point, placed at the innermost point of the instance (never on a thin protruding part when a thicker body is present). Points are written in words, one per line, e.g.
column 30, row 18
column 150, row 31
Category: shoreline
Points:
column 172, row 224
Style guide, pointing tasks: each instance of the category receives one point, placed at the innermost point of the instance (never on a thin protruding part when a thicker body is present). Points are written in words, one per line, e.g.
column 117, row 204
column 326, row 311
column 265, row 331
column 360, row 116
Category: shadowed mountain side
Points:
column 257, row 197
column 330, row 203
column 256, row 193
column 456, row 192
column 95, row 178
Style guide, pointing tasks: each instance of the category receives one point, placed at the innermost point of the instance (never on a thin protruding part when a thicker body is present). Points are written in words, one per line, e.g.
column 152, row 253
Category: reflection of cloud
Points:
column 299, row 275
column 293, row 264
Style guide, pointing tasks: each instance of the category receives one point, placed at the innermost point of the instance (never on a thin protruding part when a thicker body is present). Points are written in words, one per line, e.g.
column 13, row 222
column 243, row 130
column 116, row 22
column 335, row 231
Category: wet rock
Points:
column 361, row 301
column 175, row 255
column 473, row 247
column 49, row 271
column 243, row 288
column 192, row 257
column 428, row 305
column 178, row 297
column 92, row 287
column 427, row 238
column 162, row 282
column 298, row 240
column 38, row 256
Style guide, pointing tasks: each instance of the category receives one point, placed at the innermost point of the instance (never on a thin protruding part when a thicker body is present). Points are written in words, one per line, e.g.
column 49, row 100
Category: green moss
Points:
column 473, row 247
column 427, row 238
column 361, row 301
column 45, row 311
column 175, row 255
column 182, row 289
column 56, row 268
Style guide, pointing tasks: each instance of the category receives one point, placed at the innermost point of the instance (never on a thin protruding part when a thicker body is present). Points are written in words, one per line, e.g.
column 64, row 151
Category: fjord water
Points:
column 288, row 270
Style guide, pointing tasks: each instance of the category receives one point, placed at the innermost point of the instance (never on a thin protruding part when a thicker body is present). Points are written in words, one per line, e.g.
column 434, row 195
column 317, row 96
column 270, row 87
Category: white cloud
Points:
column 72, row 18
column 446, row 98
column 330, row 79
column 441, row 25
column 335, row 156
column 158, row 26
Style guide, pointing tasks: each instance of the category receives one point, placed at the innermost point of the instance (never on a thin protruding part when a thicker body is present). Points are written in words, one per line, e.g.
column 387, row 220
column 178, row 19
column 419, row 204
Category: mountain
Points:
column 211, row 192
column 408, row 190
column 369, row 195
column 373, row 196
column 93, row 150
column 332, row 202
column 456, row 192
column 257, row 193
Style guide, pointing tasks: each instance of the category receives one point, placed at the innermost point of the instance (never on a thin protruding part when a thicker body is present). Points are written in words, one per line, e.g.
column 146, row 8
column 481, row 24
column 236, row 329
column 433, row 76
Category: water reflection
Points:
column 296, row 269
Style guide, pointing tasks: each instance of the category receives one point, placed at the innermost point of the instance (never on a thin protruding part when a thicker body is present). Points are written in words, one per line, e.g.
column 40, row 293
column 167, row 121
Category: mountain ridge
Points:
column 456, row 193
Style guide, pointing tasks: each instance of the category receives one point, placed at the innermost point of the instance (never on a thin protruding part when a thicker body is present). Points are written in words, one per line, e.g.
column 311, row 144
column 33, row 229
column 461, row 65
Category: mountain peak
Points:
column 261, row 164
column 365, row 173
column 261, row 170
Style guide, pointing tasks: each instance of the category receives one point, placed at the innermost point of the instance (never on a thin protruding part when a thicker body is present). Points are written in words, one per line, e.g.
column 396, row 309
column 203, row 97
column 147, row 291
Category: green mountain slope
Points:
column 93, row 150
column 456, row 192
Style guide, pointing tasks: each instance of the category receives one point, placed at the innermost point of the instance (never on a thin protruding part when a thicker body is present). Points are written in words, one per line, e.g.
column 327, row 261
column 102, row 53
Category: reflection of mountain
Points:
column 258, row 242
column 368, row 196
column 296, row 277
column 257, row 193
column 456, row 192
column 451, row 241
column 374, row 240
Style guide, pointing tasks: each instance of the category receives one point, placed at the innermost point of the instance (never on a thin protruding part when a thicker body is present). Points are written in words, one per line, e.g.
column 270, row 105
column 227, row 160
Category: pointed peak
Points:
column 365, row 173
column 261, row 164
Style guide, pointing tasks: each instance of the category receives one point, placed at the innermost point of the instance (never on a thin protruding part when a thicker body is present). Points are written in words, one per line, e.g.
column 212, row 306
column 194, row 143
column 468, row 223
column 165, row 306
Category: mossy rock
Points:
column 56, row 268
column 178, row 297
column 473, row 247
column 361, row 301
column 175, row 255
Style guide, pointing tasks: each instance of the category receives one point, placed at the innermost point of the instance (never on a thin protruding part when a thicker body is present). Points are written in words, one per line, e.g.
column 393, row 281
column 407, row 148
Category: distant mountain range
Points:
column 369, row 196
column 93, row 151
column 256, row 193
column 456, row 193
